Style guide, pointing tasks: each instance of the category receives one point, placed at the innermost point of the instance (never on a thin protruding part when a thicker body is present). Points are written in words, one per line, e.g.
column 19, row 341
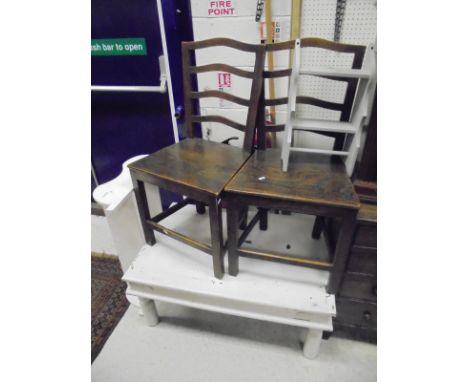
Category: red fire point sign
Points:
column 224, row 80
column 220, row 8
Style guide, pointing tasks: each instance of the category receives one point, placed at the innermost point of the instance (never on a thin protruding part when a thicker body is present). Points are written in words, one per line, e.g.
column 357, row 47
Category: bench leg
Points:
column 312, row 343
column 148, row 307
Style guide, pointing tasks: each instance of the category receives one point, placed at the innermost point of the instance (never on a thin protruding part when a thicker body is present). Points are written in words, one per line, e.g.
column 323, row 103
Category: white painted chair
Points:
column 361, row 105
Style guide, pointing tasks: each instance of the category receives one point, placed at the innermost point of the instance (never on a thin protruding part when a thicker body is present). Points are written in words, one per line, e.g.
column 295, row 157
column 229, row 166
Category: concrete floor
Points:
column 195, row 345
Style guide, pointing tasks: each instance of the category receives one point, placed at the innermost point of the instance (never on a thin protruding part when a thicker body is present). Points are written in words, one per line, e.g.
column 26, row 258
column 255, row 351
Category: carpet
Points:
column 108, row 301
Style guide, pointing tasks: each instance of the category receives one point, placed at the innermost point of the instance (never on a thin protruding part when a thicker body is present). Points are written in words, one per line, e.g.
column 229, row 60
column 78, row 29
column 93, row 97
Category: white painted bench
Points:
column 173, row 272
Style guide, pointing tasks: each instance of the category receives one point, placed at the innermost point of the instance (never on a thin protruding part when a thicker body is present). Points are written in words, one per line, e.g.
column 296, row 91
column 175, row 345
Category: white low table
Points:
column 173, row 272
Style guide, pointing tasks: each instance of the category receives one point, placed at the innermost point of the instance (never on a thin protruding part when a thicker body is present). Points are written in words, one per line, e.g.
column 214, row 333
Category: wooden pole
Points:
column 296, row 6
column 270, row 63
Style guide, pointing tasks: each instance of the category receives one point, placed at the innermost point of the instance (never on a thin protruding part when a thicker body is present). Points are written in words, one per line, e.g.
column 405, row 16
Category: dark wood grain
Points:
column 366, row 236
column 200, row 164
column 233, row 237
column 367, row 213
column 310, row 179
column 343, row 244
column 216, row 229
column 248, row 228
column 286, row 259
column 143, row 210
column 180, row 237
column 359, row 286
column 363, row 260
column 356, row 312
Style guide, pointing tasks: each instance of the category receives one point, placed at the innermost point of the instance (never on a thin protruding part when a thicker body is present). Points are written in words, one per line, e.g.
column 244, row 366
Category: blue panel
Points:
column 124, row 125
column 121, row 19
column 127, row 124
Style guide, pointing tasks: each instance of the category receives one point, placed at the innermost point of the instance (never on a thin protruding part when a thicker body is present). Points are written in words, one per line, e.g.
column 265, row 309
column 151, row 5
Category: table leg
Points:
column 149, row 310
column 216, row 226
column 312, row 343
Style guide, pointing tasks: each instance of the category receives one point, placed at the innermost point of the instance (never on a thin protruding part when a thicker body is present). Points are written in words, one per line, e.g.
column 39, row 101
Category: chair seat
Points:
column 311, row 178
column 197, row 163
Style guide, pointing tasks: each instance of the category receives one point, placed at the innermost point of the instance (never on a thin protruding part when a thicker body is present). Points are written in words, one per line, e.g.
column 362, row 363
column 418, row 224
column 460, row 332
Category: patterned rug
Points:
column 108, row 301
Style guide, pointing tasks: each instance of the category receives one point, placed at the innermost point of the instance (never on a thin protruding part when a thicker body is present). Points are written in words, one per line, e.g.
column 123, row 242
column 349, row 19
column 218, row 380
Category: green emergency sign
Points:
column 118, row 47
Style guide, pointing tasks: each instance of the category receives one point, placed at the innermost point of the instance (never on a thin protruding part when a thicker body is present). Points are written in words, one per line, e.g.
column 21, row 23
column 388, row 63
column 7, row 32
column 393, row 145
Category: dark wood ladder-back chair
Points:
column 196, row 168
column 314, row 184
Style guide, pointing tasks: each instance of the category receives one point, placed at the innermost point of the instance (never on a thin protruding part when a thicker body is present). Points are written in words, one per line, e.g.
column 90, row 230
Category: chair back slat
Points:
column 352, row 81
column 219, row 119
column 221, row 68
column 256, row 86
column 220, row 94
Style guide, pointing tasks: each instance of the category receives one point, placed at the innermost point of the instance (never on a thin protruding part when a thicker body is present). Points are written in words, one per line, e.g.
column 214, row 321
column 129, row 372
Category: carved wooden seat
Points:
column 196, row 168
column 314, row 184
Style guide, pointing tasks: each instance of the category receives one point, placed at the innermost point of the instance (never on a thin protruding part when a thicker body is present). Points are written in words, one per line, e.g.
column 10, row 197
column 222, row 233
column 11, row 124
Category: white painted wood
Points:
column 359, row 114
column 117, row 199
column 312, row 343
column 148, row 308
column 324, row 125
column 291, row 109
column 319, row 151
column 350, row 73
column 173, row 272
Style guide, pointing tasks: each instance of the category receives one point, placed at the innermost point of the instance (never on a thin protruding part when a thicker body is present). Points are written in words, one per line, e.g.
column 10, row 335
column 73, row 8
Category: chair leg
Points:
column 233, row 237
column 319, row 225
column 341, row 252
column 263, row 219
column 143, row 211
column 216, row 226
column 243, row 216
column 200, row 208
